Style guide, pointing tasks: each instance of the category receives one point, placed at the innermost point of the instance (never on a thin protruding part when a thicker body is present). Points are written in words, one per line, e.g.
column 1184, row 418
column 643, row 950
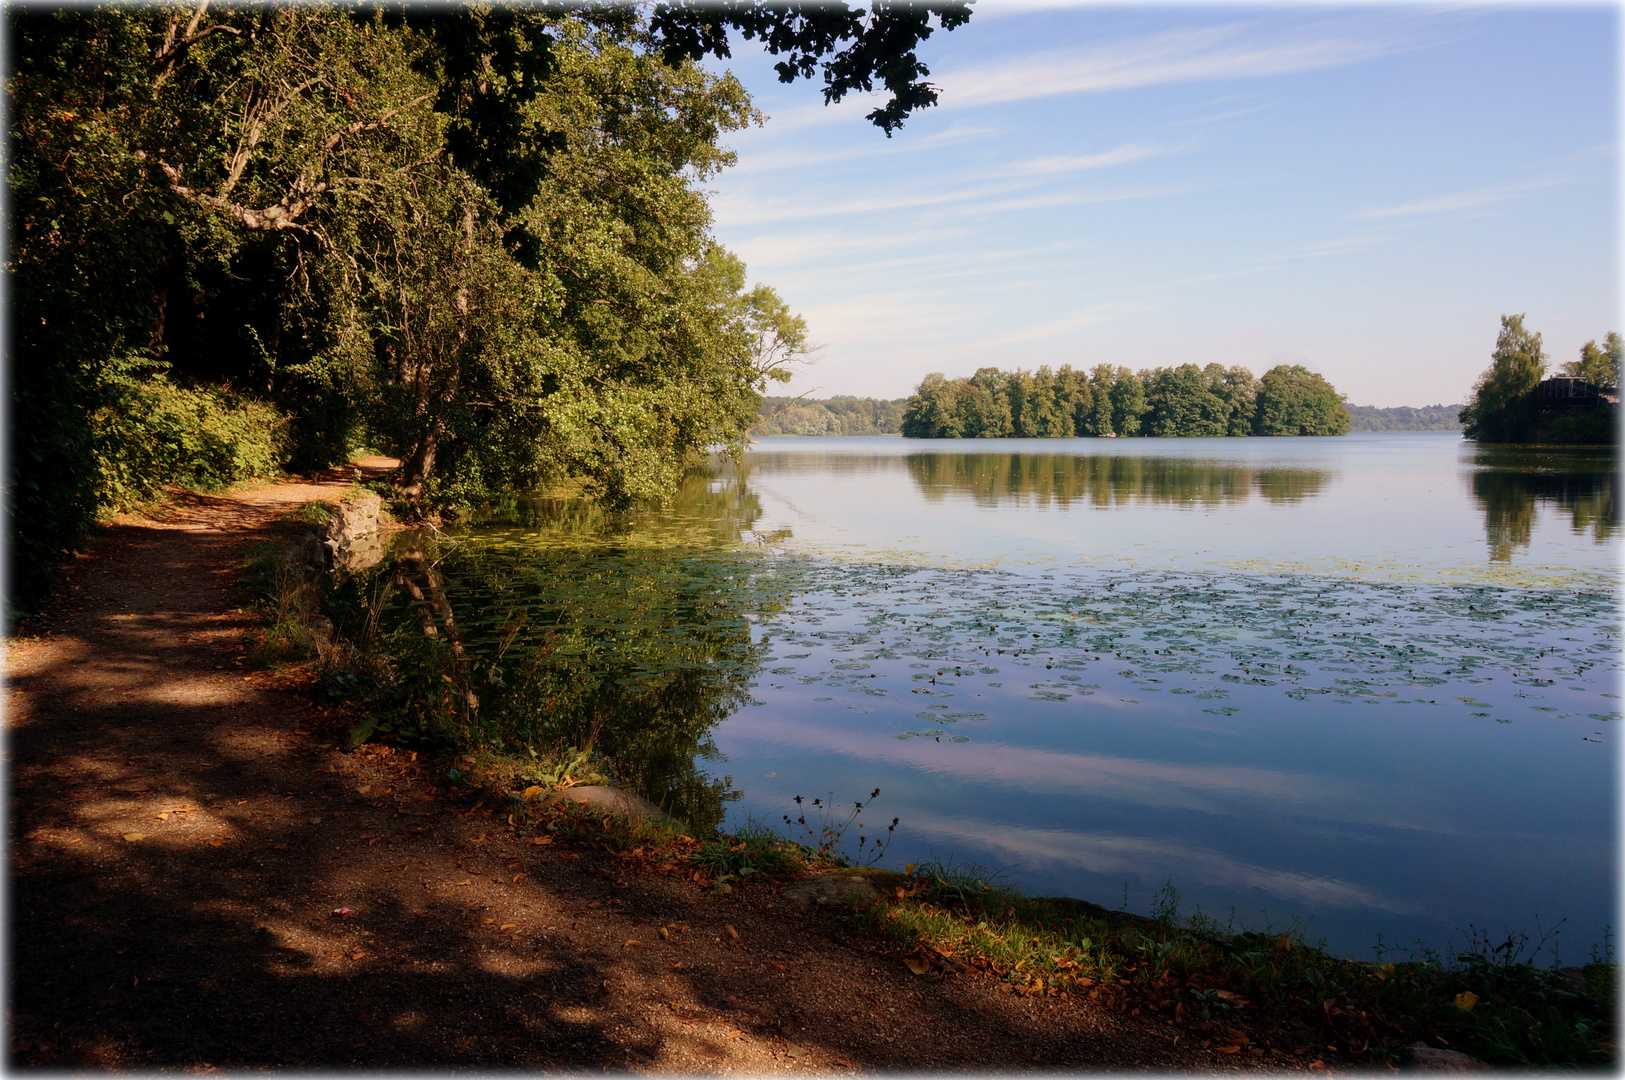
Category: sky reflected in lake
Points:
column 1370, row 684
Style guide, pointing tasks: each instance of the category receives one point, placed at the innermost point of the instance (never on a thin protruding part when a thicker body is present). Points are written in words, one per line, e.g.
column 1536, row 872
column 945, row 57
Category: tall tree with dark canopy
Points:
column 470, row 235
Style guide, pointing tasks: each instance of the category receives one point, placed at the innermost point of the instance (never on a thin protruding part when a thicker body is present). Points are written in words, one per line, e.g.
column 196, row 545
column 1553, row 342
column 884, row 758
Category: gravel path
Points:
column 184, row 832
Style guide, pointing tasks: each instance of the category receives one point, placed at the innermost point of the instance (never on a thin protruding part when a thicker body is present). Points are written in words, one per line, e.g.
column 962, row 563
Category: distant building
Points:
column 1568, row 392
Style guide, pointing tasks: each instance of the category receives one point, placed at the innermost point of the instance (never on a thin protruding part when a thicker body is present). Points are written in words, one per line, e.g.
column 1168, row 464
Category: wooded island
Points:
column 1110, row 401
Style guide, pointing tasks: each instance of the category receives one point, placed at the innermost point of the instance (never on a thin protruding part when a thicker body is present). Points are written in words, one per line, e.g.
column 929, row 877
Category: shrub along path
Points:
column 201, row 878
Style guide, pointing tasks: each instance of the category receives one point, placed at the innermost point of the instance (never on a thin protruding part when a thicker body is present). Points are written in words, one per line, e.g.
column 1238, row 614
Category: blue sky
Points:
column 1361, row 190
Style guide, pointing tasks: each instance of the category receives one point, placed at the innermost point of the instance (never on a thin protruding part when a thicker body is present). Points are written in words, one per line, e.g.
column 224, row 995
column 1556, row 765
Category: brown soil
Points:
column 185, row 829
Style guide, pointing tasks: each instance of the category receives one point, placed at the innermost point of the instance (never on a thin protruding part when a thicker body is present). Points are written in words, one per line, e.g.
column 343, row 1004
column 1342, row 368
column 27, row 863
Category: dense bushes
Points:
column 152, row 433
column 1109, row 401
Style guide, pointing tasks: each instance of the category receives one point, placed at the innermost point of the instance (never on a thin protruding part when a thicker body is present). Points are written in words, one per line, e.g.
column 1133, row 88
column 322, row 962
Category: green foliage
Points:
column 1404, row 418
column 882, row 43
column 754, row 849
column 838, row 415
column 1114, row 401
column 1292, row 400
column 471, row 236
column 1187, row 400
column 151, row 433
column 552, row 642
column 1489, row 1001
column 1507, row 406
column 1598, row 365
column 1503, row 404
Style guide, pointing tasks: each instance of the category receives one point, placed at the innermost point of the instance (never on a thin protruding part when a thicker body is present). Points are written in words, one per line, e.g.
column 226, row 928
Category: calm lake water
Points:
column 1367, row 683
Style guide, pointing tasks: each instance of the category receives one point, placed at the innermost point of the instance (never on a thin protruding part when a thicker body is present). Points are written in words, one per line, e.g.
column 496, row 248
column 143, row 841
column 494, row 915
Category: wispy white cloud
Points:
column 739, row 210
column 1344, row 245
column 1458, row 201
column 769, row 160
column 1067, row 163
column 1077, row 320
column 735, row 210
column 1231, row 51
column 1078, row 198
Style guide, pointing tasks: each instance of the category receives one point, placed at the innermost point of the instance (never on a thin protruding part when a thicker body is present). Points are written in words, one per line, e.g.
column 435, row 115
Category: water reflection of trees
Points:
column 569, row 628
column 1511, row 482
column 1109, row 480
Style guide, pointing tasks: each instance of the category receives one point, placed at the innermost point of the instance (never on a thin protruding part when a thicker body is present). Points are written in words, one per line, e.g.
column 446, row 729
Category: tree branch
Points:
column 278, row 217
column 177, row 41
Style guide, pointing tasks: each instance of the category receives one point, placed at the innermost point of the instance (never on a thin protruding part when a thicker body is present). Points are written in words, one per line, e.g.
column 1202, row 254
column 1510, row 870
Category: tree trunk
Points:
column 417, row 464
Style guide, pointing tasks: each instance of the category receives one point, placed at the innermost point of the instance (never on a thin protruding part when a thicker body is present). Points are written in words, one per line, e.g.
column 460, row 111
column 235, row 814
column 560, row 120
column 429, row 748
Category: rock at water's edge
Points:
column 616, row 801
column 1426, row 1058
column 837, row 890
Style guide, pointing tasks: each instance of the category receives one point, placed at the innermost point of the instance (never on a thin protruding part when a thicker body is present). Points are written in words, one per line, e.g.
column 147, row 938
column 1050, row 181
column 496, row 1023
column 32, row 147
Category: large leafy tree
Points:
column 472, row 232
column 1292, row 400
column 1503, row 397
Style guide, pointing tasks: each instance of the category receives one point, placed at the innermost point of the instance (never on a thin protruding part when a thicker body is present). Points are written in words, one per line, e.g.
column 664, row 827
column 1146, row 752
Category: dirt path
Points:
column 184, row 831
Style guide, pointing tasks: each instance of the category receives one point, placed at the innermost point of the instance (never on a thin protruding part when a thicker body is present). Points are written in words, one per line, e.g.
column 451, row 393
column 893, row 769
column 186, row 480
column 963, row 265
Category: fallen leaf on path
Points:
column 530, row 792
column 509, row 926
column 77, row 840
column 341, row 911
column 778, row 967
column 733, row 933
column 1228, row 1049
column 465, row 883
column 363, row 789
column 538, row 840
column 639, row 944
column 216, row 842
column 485, row 921
column 516, row 877
column 917, row 965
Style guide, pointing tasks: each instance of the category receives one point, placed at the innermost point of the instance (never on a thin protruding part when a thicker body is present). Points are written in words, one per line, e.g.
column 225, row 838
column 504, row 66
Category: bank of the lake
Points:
column 1243, row 667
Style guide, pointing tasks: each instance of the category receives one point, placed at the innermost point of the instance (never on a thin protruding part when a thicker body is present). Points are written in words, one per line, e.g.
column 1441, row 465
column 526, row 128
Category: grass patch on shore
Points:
column 1252, row 991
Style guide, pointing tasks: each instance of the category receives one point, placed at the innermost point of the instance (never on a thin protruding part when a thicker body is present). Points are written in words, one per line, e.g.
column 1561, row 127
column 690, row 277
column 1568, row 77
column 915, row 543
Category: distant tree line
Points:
column 1404, row 418
column 1507, row 406
column 842, row 414
column 1114, row 401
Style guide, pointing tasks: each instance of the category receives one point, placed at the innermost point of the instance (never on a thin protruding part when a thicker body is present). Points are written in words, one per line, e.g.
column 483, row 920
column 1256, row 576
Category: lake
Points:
column 1363, row 684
